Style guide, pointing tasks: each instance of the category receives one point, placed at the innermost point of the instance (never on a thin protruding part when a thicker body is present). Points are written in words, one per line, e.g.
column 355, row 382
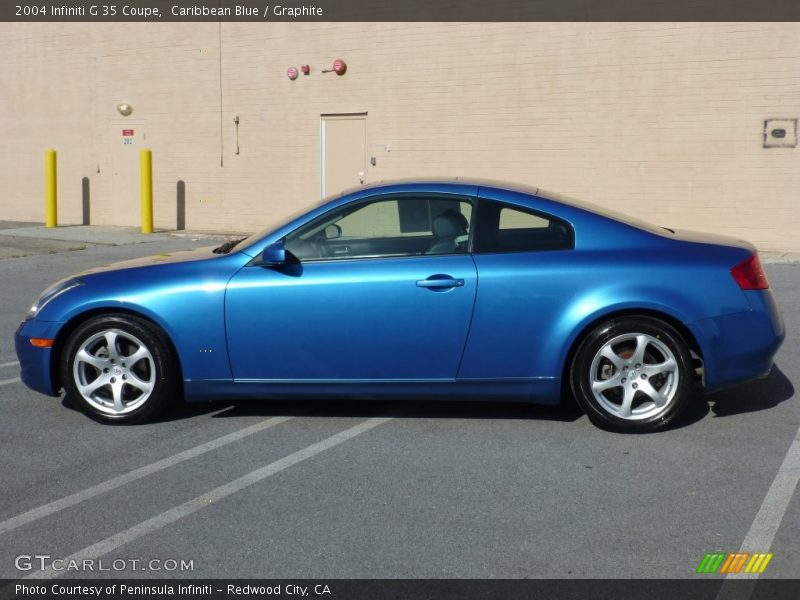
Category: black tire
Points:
column 131, row 383
column 623, row 376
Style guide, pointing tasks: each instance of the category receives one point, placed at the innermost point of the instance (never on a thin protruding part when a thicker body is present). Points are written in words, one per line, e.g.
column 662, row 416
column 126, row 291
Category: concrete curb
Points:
column 108, row 235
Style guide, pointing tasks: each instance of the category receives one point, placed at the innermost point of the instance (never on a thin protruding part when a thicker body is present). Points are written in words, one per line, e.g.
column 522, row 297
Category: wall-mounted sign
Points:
column 127, row 132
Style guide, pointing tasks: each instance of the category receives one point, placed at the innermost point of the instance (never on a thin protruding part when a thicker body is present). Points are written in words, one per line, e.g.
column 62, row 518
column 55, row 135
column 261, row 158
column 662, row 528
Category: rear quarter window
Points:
column 508, row 228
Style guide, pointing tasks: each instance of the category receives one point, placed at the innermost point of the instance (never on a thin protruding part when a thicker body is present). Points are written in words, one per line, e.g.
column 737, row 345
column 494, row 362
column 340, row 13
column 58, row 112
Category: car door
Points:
column 525, row 262
column 361, row 298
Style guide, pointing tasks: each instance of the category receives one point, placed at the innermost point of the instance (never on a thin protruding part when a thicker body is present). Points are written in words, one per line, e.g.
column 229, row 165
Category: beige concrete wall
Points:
column 661, row 120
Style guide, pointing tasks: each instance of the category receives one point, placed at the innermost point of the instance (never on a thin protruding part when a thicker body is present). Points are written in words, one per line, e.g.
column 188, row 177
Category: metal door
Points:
column 343, row 142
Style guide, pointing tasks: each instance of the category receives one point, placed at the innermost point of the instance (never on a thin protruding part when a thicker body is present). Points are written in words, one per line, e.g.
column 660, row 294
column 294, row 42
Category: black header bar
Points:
column 268, row 11
column 700, row 588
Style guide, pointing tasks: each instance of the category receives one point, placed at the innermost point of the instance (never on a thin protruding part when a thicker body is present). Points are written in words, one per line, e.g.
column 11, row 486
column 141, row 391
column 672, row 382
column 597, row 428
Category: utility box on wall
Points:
column 780, row 133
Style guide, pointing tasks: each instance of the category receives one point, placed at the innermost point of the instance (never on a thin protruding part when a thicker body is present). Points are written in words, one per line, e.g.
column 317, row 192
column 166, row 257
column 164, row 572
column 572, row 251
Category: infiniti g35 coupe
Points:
column 452, row 289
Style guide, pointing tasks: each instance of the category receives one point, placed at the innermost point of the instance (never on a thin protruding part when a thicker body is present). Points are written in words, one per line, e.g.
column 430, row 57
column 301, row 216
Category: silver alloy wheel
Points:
column 114, row 372
column 634, row 376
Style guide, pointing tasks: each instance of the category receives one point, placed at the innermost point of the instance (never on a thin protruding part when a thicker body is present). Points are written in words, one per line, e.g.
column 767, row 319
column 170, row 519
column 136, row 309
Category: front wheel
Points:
column 632, row 374
column 119, row 368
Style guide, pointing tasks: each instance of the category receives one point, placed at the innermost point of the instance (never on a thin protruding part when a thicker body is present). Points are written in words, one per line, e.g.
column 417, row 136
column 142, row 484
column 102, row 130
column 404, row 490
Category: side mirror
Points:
column 333, row 232
column 274, row 254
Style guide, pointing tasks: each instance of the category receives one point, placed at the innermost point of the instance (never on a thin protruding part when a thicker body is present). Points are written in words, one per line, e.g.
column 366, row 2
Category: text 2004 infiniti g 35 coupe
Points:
column 451, row 289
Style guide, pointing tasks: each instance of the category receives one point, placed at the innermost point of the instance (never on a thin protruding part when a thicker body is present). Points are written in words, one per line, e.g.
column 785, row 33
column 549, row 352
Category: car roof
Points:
column 473, row 181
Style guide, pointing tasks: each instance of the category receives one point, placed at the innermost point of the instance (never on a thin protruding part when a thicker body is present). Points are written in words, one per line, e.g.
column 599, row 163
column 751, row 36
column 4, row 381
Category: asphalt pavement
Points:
column 312, row 489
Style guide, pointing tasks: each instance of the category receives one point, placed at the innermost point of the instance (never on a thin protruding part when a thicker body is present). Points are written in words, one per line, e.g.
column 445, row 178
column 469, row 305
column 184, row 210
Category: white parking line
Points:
column 178, row 512
column 9, row 381
column 110, row 484
column 13, row 363
column 768, row 519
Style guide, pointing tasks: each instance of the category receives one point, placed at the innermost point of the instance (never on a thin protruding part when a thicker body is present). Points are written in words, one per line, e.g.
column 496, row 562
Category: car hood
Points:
column 182, row 256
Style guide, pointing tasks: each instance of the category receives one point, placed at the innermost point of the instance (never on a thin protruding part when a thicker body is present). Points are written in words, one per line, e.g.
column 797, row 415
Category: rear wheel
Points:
column 632, row 374
column 119, row 368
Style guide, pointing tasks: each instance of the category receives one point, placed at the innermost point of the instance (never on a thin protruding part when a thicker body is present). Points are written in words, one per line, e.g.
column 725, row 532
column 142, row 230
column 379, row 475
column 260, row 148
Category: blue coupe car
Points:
column 452, row 289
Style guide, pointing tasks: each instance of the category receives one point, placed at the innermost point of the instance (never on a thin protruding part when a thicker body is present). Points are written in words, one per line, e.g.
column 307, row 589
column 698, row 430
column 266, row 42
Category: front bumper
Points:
column 35, row 363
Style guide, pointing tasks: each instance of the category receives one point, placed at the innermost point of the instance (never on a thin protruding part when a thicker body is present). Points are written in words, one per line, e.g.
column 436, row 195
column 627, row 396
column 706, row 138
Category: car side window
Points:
column 510, row 228
column 392, row 226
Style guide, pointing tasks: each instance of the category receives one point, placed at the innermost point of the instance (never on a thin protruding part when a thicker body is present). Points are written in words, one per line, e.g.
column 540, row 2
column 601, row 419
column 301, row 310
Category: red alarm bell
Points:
column 339, row 66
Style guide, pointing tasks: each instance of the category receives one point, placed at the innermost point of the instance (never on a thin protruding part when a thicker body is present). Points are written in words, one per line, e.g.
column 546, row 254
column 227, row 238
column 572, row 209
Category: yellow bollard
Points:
column 146, row 167
column 50, row 189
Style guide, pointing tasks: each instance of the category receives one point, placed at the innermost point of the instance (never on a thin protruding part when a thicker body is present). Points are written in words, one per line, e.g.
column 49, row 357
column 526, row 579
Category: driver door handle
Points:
column 441, row 282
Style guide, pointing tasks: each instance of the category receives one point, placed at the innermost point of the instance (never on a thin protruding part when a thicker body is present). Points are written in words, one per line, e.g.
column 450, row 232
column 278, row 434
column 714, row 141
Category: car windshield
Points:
column 279, row 222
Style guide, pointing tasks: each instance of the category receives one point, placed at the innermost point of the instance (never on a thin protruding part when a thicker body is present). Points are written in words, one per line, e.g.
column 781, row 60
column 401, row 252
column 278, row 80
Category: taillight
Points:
column 749, row 274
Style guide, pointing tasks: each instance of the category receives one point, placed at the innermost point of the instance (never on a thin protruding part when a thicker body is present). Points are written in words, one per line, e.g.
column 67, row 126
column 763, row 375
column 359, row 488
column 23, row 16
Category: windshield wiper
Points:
column 227, row 246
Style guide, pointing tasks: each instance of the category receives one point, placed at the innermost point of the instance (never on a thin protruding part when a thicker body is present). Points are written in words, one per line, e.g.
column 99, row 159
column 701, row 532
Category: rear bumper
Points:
column 35, row 370
column 740, row 346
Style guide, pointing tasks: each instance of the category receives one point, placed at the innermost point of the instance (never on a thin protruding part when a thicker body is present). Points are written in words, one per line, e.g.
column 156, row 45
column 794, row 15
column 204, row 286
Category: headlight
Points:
column 54, row 290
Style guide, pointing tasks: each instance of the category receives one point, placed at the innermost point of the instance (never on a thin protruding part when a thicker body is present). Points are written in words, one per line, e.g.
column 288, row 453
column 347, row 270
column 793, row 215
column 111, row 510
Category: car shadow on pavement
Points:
column 416, row 408
column 760, row 394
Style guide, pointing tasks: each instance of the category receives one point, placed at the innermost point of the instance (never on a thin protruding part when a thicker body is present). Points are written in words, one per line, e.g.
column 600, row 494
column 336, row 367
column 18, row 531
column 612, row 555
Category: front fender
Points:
column 187, row 304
